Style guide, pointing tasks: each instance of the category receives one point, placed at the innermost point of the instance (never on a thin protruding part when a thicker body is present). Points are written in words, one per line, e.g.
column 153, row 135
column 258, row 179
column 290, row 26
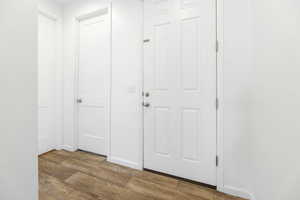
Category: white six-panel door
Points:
column 180, row 77
column 47, row 62
column 94, row 82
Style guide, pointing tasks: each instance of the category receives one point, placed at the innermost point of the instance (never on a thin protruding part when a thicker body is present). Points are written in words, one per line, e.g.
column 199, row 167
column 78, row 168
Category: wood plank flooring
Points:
column 83, row 176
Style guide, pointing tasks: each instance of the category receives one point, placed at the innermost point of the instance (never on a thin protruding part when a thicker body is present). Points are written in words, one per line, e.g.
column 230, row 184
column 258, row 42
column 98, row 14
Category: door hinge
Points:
column 217, row 103
column 217, row 46
column 217, row 161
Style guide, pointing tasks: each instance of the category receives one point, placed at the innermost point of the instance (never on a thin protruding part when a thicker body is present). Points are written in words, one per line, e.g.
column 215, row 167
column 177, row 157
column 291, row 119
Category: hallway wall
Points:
column 127, row 47
column 18, row 104
column 261, row 98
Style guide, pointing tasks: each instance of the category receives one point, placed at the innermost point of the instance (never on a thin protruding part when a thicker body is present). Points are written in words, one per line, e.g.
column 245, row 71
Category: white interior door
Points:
column 180, row 77
column 94, row 82
column 46, row 83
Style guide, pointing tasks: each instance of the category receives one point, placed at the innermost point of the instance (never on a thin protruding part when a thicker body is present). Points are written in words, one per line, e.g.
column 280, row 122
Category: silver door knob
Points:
column 146, row 104
column 79, row 100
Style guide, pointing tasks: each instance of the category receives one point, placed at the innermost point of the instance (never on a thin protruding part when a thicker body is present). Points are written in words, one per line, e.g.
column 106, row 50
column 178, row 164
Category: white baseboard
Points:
column 59, row 147
column 124, row 162
column 236, row 192
column 68, row 148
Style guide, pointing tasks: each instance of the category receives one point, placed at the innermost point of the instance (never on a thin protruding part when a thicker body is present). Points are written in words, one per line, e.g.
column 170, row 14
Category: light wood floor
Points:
column 83, row 176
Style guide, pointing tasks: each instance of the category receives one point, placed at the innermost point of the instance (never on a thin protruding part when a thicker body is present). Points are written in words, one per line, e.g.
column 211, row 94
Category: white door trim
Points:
column 77, row 19
column 48, row 15
column 219, row 37
column 142, row 127
column 58, row 74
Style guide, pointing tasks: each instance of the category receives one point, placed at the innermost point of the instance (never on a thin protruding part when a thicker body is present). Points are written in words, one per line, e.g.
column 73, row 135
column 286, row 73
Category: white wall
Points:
column 18, row 103
column 126, row 113
column 236, row 93
column 261, row 98
column 126, row 122
column 55, row 10
column 52, row 7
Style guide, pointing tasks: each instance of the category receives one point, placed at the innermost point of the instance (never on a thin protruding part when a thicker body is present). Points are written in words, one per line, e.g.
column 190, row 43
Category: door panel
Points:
column 162, row 127
column 46, row 83
column 189, row 134
column 94, row 83
column 189, row 54
column 162, row 56
column 180, row 75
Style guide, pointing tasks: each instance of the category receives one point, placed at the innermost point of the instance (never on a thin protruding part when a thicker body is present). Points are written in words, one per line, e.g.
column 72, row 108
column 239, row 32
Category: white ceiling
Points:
column 63, row 1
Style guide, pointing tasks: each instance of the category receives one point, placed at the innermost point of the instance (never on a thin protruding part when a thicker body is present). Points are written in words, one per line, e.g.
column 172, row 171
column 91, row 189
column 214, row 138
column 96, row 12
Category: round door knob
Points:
column 146, row 105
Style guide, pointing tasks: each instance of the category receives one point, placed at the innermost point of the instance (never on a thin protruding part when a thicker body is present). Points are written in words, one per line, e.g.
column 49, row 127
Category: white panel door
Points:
column 46, row 83
column 180, row 77
column 94, row 83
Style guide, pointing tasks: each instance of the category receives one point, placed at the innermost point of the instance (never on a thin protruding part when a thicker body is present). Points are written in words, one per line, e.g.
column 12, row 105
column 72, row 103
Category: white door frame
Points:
column 219, row 57
column 104, row 10
column 58, row 74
